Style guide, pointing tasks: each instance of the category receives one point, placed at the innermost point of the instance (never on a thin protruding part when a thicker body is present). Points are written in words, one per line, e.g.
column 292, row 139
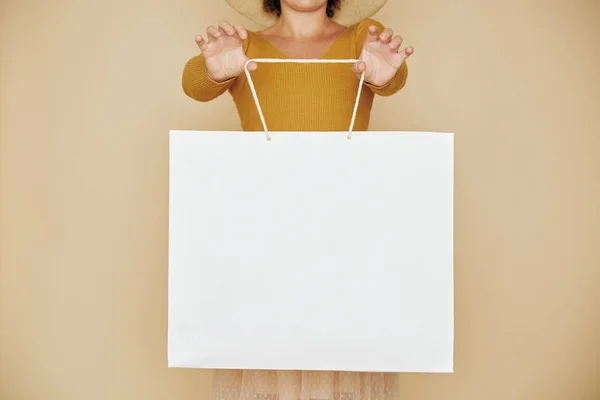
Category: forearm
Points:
column 198, row 85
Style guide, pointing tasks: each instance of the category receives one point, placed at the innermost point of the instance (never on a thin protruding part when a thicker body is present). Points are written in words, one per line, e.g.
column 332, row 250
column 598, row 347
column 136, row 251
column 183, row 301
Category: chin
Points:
column 305, row 5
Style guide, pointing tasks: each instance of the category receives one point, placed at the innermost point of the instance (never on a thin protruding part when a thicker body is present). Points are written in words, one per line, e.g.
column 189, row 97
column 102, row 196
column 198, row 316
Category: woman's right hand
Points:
column 223, row 52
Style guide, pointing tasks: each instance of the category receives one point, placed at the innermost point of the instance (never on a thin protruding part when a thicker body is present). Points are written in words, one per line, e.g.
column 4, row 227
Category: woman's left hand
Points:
column 381, row 56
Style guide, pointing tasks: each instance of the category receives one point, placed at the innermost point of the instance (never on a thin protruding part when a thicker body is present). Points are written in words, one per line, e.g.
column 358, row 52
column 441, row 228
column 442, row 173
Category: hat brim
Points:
column 350, row 12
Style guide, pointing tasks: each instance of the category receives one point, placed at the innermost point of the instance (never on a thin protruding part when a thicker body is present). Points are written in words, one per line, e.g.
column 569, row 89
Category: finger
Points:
column 227, row 28
column 359, row 67
column 372, row 33
column 241, row 31
column 396, row 42
column 201, row 42
column 213, row 32
column 407, row 52
column 386, row 36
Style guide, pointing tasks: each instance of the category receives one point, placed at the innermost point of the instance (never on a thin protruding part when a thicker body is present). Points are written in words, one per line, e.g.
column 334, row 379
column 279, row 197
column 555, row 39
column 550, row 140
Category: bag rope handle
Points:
column 301, row 61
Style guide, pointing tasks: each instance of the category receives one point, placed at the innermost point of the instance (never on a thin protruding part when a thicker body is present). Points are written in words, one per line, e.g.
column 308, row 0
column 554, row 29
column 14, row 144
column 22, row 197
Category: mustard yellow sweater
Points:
column 297, row 97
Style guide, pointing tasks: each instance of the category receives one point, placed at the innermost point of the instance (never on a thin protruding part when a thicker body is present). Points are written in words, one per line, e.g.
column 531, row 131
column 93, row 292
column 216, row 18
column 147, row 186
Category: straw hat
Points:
column 350, row 12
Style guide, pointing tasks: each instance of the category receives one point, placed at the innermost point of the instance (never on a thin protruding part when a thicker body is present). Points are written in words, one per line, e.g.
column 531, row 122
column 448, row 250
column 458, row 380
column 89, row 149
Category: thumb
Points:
column 359, row 67
column 252, row 66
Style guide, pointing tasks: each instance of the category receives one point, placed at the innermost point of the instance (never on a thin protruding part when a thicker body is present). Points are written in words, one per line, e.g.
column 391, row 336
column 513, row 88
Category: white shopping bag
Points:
column 310, row 251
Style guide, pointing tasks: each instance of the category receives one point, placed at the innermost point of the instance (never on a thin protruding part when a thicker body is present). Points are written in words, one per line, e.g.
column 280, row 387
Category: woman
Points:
column 301, row 97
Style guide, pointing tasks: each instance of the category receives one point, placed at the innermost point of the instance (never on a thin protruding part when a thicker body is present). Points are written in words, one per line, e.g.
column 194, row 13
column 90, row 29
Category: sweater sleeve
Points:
column 198, row 85
column 399, row 80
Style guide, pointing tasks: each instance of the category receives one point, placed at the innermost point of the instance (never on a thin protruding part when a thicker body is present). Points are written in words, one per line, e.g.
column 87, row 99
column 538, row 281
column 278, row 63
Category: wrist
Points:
column 219, row 79
column 377, row 83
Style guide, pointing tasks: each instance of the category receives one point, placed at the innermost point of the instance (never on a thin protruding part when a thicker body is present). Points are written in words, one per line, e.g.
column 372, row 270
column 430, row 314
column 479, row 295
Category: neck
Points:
column 302, row 24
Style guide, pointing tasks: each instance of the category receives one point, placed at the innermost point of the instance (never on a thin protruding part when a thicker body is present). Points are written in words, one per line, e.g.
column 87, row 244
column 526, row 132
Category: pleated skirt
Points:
column 304, row 385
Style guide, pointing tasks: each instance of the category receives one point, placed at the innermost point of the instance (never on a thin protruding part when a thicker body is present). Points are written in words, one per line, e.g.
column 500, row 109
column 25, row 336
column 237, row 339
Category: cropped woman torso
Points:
column 293, row 96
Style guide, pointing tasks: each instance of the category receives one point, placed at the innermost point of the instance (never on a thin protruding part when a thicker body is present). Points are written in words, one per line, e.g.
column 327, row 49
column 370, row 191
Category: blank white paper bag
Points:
column 311, row 251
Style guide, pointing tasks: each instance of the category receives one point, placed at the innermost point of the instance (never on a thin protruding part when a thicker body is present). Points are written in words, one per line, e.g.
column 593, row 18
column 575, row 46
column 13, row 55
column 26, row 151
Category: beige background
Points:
column 89, row 90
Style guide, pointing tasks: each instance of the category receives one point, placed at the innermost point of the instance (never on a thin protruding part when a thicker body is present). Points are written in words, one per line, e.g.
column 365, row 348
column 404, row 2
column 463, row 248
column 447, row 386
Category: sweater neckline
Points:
column 325, row 54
